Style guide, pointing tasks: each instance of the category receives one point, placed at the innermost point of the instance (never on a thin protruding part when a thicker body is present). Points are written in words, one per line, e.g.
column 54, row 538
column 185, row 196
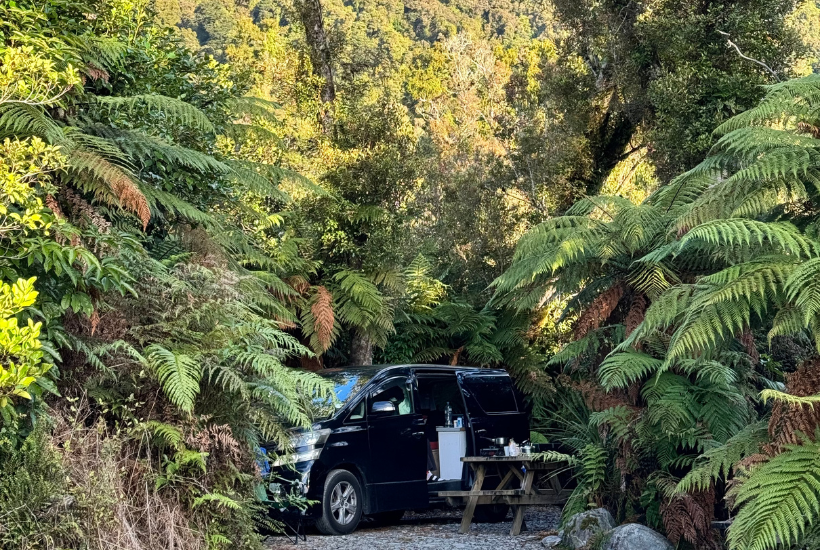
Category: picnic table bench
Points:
column 524, row 469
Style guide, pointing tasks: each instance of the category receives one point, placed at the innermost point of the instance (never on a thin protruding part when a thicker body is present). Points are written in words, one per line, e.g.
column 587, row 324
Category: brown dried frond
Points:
column 216, row 438
column 748, row 340
column 83, row 213
column 599, row 310
column 54, row 206
column 284, row 324
column 117, row 181
column 96, row 73
column 786, row 419
column 809, row 129
column 297, row 283
column 689, row 517
column 312, row 364
column 597, row 399
column 637, row 311
column 751, row 461
column 323, row 318
column 94, row 320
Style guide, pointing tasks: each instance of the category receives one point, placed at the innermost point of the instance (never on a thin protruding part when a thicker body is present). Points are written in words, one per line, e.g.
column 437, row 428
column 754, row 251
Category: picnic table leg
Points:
column 471, row 503
column 555, row 483
column 518, row 517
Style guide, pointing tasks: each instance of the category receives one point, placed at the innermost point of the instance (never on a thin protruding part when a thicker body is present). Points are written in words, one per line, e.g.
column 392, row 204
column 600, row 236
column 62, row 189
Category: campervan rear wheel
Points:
column 342, row 502
column 491, row 513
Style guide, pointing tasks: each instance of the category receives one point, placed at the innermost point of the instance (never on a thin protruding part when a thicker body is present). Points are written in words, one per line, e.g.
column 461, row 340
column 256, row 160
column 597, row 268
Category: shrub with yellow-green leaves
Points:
column 24, row 164
column 22, row 368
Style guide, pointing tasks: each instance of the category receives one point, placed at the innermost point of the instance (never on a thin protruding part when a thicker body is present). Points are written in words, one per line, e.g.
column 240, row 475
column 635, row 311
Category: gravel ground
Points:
column 433, row 529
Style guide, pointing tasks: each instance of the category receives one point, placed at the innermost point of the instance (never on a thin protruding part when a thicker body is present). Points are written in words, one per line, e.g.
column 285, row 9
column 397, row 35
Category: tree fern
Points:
column 778, row 500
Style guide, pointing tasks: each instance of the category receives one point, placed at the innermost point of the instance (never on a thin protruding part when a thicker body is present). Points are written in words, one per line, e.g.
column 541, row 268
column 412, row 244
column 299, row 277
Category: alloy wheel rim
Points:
column 343, row 503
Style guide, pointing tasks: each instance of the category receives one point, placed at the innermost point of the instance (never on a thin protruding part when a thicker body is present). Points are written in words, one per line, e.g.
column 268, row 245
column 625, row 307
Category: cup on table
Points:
column 506, row 450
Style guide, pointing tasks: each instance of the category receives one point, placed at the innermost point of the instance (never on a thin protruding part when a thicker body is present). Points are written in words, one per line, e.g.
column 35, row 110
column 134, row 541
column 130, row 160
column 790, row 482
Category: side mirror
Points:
column 382, row 408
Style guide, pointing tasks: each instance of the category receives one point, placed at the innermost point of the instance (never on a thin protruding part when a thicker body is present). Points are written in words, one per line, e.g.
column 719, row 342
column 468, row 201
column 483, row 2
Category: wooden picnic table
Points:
column 523, row 468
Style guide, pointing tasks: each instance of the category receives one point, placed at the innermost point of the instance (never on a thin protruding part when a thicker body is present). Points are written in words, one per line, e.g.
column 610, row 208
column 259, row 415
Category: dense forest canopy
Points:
column 204, row 203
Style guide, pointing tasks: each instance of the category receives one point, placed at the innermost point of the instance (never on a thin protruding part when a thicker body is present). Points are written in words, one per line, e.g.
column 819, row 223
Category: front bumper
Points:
column 291, row 478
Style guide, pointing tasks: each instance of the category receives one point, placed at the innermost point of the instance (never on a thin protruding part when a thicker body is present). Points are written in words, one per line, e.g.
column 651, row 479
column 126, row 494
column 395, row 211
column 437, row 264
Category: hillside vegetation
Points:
column 204, row 204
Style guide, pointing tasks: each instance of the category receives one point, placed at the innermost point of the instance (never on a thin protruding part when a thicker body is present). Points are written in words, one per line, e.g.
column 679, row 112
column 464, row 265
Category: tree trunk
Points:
column 310, row 13
column 361, row 349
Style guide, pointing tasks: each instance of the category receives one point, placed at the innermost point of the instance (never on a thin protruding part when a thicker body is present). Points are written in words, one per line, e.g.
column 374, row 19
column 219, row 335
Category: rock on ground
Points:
column 634, row 536
column 433, row 530
column 551, row 541
column 580, row 528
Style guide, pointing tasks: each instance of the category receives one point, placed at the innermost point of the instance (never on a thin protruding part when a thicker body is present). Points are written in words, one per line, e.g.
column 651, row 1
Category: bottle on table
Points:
column 448, row 416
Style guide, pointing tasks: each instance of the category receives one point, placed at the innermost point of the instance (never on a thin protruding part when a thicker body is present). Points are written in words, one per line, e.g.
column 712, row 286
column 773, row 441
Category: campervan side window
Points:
column 398, row 392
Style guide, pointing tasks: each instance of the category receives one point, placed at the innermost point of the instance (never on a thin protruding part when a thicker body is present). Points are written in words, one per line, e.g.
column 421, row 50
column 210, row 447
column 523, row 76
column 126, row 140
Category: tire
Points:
column 388, row 518
column 491, row 513
column 342, row 503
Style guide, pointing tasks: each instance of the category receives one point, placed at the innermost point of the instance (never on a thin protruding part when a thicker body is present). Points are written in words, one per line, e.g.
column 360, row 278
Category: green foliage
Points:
column 184, row 266
column 717, row 463
column 177, row 373
column 690, row 274
column 34, row 500
column 779, row 499
column 23, row 368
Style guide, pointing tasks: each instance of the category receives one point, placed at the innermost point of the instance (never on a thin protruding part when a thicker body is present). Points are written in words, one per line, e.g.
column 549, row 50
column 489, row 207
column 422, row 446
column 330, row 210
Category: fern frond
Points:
column 787, row 321
column 166, row 434
column 217, row 499
column 159, row 198
column 803, row 288
column 320, row 326
column 792, row 400
column 619, row 420
column 778, row 500
column 742, row 232
column 19, row 120
column 668, row 309
column 175, row 110
column 109, row 182
column 790, row 100
column 717, row 462
column 178, row 374
column 681, row 191
column 620, row 369
column 144, row 148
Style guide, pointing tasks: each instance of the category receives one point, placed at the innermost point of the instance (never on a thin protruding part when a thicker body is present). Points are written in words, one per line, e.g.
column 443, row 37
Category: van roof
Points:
column 378, row 368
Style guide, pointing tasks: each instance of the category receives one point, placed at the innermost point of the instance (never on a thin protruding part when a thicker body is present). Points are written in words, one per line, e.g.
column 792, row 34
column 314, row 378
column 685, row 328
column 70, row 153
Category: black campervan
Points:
column 370, row 451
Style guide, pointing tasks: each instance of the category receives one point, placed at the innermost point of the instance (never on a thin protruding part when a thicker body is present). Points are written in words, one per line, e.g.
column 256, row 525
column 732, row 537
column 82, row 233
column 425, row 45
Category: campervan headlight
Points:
column 306, row 446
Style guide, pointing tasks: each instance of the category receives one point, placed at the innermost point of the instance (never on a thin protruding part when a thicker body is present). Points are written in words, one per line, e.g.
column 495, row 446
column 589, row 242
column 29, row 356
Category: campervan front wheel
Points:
column 342, row 502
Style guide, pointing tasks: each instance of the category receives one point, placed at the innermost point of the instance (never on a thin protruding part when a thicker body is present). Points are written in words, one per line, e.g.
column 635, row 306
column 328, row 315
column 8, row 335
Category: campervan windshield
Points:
column 346, row 385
